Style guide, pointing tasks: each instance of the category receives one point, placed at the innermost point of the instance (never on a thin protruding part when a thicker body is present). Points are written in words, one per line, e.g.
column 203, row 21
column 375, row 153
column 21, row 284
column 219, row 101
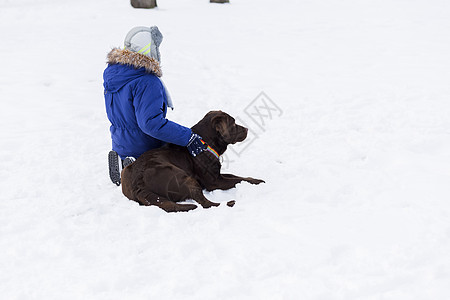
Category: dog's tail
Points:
column 127, row 189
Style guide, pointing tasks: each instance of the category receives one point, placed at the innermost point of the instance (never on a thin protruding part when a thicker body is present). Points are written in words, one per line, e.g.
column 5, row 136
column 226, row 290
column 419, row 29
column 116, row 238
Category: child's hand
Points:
column 195, row 145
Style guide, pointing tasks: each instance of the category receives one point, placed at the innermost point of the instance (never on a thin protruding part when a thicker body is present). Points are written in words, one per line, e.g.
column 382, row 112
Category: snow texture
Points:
column 355, row 152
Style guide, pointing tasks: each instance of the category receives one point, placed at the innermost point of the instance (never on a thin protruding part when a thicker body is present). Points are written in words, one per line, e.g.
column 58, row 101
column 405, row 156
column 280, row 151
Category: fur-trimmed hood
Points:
column 134, row 59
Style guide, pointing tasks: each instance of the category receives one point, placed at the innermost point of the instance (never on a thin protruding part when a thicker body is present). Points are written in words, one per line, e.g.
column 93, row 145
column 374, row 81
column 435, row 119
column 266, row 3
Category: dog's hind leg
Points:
column 150, row 198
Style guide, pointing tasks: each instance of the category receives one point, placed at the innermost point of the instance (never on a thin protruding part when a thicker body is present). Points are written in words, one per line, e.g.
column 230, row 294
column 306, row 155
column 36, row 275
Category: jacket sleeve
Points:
column 149, row 105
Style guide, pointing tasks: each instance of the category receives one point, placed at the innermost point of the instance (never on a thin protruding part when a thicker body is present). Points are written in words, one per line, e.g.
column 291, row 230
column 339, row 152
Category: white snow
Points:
column 357, row 167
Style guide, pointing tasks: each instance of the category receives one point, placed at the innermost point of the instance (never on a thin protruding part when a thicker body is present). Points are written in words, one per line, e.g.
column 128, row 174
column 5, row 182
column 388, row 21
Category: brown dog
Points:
column 169, row 174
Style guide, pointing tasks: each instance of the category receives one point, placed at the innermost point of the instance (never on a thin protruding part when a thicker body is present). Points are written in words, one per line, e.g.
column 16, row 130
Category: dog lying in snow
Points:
column 169, row 174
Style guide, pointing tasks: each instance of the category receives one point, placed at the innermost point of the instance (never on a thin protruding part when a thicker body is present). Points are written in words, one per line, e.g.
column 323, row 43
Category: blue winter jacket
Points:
column 136, row 105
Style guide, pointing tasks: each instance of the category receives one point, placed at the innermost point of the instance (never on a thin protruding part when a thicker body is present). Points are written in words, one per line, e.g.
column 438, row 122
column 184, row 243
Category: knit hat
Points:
column 144, row 40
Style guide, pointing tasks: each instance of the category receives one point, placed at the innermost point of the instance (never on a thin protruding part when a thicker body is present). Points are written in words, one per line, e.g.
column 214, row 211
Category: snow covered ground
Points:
column 357, row 167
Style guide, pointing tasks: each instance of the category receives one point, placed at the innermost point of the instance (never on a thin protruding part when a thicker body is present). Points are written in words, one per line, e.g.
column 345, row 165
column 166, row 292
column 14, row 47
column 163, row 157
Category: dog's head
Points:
column 226, row 127
column 220, row 129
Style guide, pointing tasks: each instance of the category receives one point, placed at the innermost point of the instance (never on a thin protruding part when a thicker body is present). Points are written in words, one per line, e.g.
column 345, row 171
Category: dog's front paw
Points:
column 254, row 180
column 208, row 204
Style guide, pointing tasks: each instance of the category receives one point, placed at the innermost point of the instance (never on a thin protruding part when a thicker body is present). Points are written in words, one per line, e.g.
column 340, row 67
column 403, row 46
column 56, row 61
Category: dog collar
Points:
column 208, row 148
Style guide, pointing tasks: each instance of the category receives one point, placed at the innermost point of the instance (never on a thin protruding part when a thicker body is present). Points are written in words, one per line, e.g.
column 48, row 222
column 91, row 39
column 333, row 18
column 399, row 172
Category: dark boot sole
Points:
column 114, row 171
column 128, row 161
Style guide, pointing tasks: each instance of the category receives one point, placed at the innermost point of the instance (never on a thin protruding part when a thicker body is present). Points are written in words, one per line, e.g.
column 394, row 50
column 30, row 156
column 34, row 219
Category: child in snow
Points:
column 136, row 102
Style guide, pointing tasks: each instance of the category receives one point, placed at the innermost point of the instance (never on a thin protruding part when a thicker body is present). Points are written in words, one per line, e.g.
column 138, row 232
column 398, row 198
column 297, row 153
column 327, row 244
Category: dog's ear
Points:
column 221, row 124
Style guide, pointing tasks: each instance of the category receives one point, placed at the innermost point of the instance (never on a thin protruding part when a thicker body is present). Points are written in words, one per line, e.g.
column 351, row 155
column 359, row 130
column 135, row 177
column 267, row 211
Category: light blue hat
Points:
column 144, row 40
